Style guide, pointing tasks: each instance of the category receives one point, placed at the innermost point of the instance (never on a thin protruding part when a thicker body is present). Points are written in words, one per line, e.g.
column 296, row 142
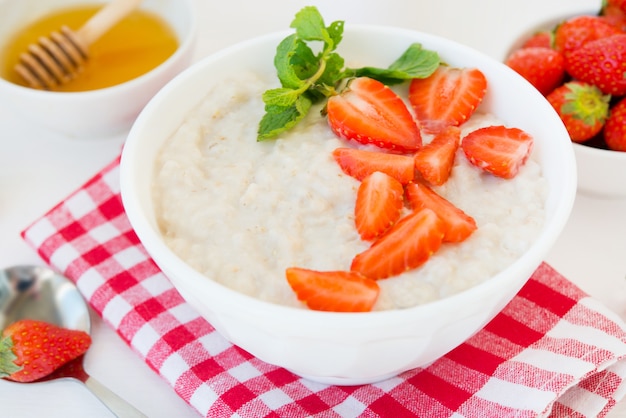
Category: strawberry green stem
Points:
column 7, row 358
column 586, row 103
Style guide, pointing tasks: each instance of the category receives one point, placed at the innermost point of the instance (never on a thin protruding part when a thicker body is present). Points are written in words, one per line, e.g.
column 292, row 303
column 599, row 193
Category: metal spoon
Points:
column 35, row 292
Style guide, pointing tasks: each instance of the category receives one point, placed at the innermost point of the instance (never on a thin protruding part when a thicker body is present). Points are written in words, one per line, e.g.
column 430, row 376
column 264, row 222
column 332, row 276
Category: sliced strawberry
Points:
column 407, row 245
column 435, row 160
column 458, row 224
column 371, row 113
column 337, row 291
column 379, row 203
column 448, row 97
column 360, row 164
column 498, row 150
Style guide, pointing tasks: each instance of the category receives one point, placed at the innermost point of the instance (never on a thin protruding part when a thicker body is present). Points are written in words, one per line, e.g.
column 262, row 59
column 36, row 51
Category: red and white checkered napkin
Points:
column 552, row 351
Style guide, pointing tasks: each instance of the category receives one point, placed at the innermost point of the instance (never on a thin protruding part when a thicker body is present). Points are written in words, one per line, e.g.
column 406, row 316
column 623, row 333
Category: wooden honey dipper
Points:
column 57, row 59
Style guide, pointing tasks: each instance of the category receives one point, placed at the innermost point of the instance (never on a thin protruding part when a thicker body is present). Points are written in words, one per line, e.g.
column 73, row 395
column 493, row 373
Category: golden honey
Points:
column 134, row 46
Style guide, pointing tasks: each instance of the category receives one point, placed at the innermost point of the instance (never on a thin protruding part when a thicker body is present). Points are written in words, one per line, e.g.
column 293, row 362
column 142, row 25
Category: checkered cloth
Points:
column 553, row 351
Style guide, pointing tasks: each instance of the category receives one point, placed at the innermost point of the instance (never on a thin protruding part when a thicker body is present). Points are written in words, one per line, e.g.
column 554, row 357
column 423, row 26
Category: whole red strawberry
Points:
column 617, row 4
column 615, row 127
column 582, row 108
column 601, row 63
column 614, row 12
column 543, row 39
column 544, row 68
column 31, row 350
column 576, row 32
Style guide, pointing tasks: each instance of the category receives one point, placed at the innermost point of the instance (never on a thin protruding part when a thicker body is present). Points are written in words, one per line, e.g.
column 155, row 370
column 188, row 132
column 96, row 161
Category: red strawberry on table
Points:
column 379, row 203
column 31, row 350
column 615, row 127
column 448, row 97
column 583, row 108
column 370, row 112
column 361, row 163
column 577, row 31
column 337, row 291
column 602, row 63
column 498, row 150
column 435, row 160
column 544, row 68
column 407, row 245
column 458, row 224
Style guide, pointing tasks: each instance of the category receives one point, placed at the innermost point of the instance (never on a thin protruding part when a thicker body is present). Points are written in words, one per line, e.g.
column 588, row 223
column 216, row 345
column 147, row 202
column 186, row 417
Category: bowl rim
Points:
column 154, row 243
column 600, row 152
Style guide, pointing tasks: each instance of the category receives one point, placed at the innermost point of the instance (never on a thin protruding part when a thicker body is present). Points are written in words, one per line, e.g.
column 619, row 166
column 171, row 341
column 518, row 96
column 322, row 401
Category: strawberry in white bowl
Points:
column 588, row 51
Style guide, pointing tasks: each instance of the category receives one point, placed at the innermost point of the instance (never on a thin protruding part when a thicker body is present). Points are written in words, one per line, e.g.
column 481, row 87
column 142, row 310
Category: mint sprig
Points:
column 308, row 77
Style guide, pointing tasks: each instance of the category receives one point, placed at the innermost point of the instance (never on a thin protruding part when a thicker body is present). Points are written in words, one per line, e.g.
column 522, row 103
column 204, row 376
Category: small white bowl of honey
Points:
column 126, row 66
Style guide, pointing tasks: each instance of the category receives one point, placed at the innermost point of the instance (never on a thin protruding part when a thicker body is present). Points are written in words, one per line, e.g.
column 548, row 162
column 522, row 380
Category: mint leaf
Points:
column 281, row 97
column 415, row 62
column 304, row 61
column 278, row 119
column 286, row 72
column 304, row 76
column 309, row 26
column 335, row 30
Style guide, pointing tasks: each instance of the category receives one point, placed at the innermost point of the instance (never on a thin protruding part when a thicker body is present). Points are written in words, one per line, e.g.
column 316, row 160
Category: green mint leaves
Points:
column 305, row 77
column 415, row 62
column 308, row 77
column 7, row 357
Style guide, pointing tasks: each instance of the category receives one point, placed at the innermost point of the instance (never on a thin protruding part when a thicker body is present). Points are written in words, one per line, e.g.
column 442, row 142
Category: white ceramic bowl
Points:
column 102, row 112
column 347, row 348
column 601, row 172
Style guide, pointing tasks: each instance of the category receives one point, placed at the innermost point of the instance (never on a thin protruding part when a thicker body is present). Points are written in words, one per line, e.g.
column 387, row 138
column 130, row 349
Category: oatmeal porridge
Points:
column 241, row 211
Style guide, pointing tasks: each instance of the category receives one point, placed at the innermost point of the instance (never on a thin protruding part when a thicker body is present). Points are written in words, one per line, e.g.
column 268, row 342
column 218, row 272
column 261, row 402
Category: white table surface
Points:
column 39, row 168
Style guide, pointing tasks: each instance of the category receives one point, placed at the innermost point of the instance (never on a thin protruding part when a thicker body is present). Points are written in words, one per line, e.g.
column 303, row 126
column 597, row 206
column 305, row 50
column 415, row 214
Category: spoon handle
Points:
column 111, row 400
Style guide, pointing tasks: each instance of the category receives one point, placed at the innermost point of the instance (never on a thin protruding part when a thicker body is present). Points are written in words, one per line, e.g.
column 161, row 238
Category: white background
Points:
column 39, row 168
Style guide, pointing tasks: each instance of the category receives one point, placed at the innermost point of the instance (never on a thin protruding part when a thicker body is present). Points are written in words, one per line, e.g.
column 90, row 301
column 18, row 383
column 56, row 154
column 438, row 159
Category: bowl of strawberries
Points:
column 578, row 63
column 348, row 202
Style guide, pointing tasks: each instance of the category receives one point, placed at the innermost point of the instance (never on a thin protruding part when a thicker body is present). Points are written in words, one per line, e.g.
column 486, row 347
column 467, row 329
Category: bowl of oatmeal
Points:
column 224, row 215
